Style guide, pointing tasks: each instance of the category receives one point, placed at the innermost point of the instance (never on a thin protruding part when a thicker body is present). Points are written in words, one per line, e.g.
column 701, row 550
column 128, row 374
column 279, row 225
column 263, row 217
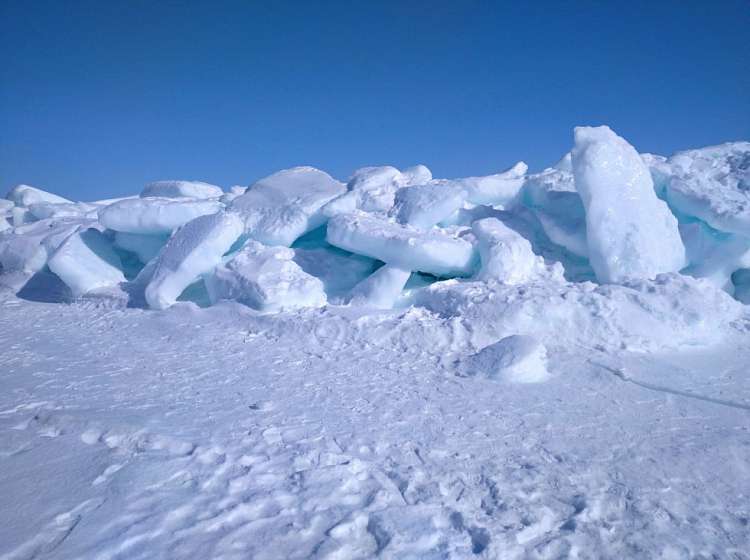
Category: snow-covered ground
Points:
column 515, row 366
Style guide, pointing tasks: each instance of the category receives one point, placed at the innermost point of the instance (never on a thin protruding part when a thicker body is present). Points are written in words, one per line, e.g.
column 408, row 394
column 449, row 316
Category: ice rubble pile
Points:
column 605, row 217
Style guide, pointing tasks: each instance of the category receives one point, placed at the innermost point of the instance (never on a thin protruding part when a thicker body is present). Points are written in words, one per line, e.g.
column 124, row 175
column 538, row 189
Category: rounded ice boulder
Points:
column 513, row 359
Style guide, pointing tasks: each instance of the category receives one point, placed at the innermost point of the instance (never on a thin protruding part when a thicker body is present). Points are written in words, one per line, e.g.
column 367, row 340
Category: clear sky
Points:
column 97, row 98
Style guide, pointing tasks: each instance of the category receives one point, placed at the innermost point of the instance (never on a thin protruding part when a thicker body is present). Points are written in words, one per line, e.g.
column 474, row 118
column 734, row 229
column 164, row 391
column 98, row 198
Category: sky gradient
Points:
column 99, row 98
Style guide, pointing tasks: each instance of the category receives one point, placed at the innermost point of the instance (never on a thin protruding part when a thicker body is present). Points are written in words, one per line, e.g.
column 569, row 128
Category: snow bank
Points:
column 513, row 359
column 154, row 215
column 284, row 206
column 405, row 247
column 194, row 249
column 630, row 233
column 180, row 189
column 266, row 279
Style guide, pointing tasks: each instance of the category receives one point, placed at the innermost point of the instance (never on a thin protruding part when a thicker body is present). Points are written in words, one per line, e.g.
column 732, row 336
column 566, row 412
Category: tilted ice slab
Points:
column 193, row 250
column 513, row 359
column 154, row 215
column 85, row 261
column 506, row 256
column 552, row 197
column 286, row 205
column 381, row 289
column 423, row 206
column 180, row 189
column 630, row 232
column 433, row 251
column 500, row 189
column 26, row 195
column 266, row 279
column 713, row 184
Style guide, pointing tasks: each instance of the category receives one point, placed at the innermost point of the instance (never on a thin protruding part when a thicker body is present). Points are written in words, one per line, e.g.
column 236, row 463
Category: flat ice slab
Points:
column 154, row 215
column 180, row 189
column 405, row 247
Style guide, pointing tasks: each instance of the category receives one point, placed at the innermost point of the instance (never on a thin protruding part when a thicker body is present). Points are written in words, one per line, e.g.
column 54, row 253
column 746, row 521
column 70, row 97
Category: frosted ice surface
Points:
column 179, row 189
column 154, row 215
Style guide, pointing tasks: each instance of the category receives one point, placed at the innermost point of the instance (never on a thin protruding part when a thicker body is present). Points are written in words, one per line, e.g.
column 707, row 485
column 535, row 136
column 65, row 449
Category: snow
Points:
column 487, row 367
column 179, row 189
column 151, row 216
column 194, row 249
column 406, row 247
column 630, row 233
column 382, row 288
column 266, row 279
column 513, row 359
column 85, row 262
column 286, row 205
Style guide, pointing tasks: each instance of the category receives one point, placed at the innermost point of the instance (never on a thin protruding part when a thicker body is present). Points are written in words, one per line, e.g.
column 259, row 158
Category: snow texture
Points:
column 513, row 359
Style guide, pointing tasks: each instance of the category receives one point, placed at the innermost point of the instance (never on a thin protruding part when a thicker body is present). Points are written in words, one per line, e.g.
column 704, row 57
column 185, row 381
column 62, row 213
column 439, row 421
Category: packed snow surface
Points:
column 521, row 365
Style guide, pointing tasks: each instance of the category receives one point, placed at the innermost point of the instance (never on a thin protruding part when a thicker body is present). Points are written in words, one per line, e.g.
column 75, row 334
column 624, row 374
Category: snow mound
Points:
column 180, row 189
column 286, row 205
column 266, row 279
column 433, row 251
column 630, row 233
column 154, row 215
column 193, row 250
column 513, row 359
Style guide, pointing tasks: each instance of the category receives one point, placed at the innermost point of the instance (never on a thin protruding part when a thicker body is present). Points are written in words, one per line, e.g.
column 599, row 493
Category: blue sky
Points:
column 98, row 98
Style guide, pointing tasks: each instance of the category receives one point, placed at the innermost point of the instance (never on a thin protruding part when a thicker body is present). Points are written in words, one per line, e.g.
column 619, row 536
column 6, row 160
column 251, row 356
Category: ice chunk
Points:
column 370, row 189
column 154, row 215
column 339, row 270
column 630, row 232
column 180, row 189
column 423, row 206
column 416, row 175
column 26, row 195
column 382, row 288
column 286, row 205
column 741, row 281
column 552, row 197
column 145, row 247
column 266, row 279
column 660, row 171
column 85, row 262
column 500, row 189
column 26, row 249
column 195, row 249
column 713, row 184
column 513, row 359
column 233, row 193
column 714, row 255
column 405, row 247
column 506, row 256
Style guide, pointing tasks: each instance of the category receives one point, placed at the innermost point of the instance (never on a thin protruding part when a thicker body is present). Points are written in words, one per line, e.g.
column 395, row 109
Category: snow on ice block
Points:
column 500, row 189
column 195, row 249
column 26, row 195
column 630, row 232
column 423, row 206
column 145, row 247
column 85, row 262
column 286, row 205
column 506, row 256
column 44, row 210
column 154, row 215
column 181, row 189
column 265, row 278
column 405, row 247
column 513, row 359
column 713, row 184
column 381, row 289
